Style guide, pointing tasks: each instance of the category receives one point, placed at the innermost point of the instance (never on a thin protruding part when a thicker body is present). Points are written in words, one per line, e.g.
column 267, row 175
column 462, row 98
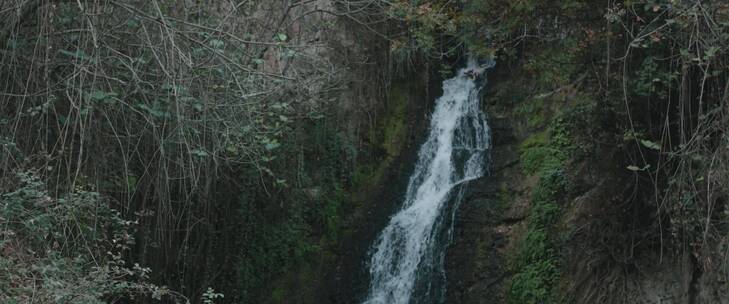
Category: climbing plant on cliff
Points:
column 678, row 53
column 659, row 77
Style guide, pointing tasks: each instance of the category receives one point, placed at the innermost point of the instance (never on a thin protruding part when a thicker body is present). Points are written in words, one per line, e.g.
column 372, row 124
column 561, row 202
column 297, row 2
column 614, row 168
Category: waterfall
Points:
column 406, row 262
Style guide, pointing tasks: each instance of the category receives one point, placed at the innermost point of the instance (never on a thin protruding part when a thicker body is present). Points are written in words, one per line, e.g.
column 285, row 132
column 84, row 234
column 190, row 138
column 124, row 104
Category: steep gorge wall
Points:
column 271, row 190
column 563, row 218
column 374, row 126
column 337, row 273
column 581, row 206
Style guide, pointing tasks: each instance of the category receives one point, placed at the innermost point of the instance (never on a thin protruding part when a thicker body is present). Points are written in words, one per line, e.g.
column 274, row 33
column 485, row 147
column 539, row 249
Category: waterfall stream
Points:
column 406, row 262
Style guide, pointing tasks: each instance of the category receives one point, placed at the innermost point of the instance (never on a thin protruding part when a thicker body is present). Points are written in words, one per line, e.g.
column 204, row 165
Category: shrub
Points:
column 64, row 250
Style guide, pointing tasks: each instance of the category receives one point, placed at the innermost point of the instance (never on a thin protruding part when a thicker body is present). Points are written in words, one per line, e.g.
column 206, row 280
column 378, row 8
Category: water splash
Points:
column 406, row 263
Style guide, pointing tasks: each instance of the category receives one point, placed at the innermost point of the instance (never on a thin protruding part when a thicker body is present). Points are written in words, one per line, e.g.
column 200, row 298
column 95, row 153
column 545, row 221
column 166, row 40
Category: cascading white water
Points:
column 407, row 257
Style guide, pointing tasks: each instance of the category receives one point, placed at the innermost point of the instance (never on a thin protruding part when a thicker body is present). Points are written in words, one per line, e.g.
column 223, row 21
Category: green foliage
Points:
column 534, row 110
column 553, row 66
column 547, row 150
column 301, row 236
column 428, row 25
column 271, row 249
column 388, row 135
column 393, row 128
column 657, row 73
column 653, row 79
column 675, row 76
column 369, row 175
column 306, row 223
column 537, row 262
column 534, row 283
column 537, row 158
column 330, row 154
column 552, row 183
column 65, row 250
column 210, row 295
column 156, row 106
column 330, row 212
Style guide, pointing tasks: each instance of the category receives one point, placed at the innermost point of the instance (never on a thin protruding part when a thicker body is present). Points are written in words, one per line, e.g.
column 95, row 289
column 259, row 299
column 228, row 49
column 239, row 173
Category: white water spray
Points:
column 407, row 258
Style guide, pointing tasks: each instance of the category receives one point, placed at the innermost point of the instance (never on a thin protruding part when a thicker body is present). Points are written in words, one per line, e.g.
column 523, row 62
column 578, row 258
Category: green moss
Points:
column 540, row 158
column 370, row 175
column 278, row 294
column 482, row 252
column 330, row 215
column 533, row 284
column 389, row 135
column 535, row 140
column 534, row 111
column 295, row 283
column 553, row 66
column 393, row 129
column 536, row 262
column 539, row 152
column 504, row 197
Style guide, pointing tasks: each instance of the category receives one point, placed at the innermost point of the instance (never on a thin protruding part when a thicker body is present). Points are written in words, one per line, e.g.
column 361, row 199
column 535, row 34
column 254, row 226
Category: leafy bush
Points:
column 159, row 104
column 64, row 250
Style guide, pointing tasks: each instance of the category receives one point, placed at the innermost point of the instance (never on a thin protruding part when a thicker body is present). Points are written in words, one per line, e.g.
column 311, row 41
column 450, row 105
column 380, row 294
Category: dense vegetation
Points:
column 187, row 138
column 647, row 82
column 205, row 152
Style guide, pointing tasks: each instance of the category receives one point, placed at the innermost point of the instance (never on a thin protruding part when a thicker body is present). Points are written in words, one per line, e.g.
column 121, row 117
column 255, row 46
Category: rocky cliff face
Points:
column 382, row 116
column 564, row 217
column 591, row 242
column 492, row 217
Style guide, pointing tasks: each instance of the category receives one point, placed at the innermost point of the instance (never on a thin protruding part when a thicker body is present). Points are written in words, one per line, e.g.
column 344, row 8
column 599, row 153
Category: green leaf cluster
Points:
column 63, row 250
